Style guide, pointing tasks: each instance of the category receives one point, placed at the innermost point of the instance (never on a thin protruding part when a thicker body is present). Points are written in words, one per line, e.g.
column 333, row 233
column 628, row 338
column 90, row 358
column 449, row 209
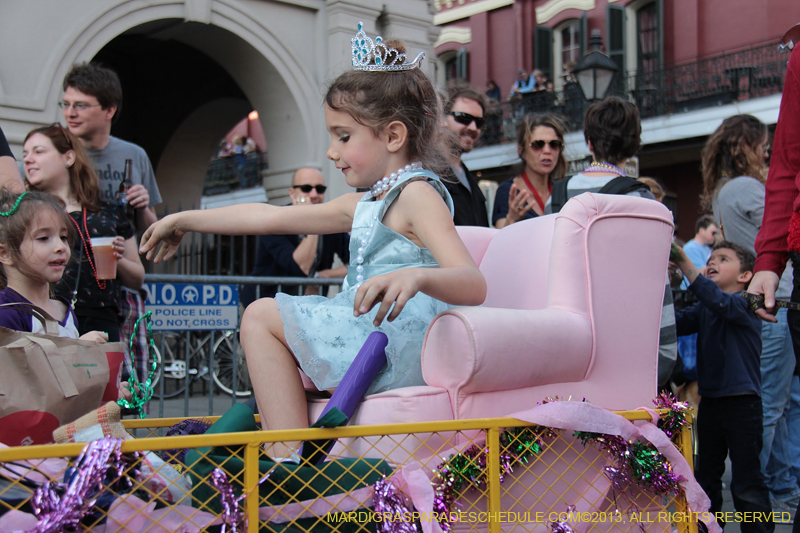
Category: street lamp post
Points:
column 595, row 70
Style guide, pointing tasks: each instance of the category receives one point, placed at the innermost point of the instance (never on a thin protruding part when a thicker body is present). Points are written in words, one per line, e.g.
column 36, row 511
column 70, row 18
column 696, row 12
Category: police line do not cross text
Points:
column 195, row 307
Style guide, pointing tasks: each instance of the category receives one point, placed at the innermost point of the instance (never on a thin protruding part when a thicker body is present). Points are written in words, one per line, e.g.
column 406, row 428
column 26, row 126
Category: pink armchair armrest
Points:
column 544, row 346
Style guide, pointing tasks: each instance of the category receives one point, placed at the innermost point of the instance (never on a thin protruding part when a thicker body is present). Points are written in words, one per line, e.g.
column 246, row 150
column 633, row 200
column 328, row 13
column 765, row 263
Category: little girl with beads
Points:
column 35, row 240
column 407, row 261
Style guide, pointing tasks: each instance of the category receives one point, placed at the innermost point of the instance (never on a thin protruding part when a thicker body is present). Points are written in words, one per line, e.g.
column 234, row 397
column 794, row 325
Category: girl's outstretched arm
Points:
column 420, row 214
column 160, row 241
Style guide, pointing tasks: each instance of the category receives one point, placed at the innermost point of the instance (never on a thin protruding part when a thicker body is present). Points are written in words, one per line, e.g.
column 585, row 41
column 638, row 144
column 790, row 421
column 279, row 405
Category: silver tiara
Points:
column 369, row 55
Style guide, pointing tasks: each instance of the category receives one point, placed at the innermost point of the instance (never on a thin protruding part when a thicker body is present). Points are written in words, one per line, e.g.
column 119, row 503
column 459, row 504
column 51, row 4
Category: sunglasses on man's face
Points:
column 539, row 144
column 308, row 188
column 465, row 119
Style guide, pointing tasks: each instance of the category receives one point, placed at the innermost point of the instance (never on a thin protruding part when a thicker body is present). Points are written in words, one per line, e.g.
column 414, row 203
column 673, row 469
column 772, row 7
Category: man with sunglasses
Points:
column 91, row 103
column 465, row 110
column 299, row 255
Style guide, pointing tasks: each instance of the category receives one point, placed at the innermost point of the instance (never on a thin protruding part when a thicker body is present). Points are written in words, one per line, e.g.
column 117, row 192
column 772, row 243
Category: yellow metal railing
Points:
column 564, row 473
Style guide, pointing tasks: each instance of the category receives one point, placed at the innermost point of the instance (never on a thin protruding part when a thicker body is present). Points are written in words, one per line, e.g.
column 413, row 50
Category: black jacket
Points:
column 470, row 208
column 728, row 341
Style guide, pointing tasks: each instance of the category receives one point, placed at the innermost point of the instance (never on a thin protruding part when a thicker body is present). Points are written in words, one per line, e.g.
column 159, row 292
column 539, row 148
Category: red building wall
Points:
column 503, row 41
column 503, row 38
column 502, row 66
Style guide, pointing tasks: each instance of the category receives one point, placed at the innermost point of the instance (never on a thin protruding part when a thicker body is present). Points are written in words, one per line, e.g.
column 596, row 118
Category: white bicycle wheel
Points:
column 172, row 368
column 223, row 366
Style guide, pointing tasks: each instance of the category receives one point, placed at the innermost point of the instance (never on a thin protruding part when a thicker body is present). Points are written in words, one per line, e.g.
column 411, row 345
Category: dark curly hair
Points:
column 730, row 152
column 747, row 260
column 614, row 129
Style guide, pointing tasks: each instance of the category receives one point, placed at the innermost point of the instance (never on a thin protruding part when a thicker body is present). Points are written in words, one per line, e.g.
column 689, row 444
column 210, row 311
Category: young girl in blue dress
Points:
column 407, row 262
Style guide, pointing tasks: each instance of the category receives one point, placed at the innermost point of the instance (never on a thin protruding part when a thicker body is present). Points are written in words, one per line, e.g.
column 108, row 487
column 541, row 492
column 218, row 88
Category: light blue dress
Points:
column 323, row 333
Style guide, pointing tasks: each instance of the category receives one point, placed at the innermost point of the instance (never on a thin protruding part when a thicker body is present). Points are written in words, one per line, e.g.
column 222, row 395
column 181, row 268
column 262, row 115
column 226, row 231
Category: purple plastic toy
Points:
column 351, row 391
column 360, row 375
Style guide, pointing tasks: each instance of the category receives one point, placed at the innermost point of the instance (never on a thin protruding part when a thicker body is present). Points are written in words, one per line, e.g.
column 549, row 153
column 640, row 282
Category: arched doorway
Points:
column 178, row 102
column 186, row 83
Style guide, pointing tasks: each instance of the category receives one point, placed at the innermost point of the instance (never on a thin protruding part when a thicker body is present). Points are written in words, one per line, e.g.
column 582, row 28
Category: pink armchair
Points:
column 573, row 310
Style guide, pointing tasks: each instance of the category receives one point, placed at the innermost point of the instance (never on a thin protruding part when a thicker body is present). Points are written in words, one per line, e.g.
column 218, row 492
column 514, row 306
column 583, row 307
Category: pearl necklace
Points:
column 602, row 166
column 387, row 182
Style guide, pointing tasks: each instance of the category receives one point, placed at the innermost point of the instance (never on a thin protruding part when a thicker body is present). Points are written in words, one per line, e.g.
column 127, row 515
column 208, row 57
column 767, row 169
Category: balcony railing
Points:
column 719, row 80
column 226, row 174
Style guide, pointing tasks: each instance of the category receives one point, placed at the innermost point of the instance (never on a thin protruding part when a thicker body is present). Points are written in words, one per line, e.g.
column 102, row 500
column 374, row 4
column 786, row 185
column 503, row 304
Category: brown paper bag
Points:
column 47, row 381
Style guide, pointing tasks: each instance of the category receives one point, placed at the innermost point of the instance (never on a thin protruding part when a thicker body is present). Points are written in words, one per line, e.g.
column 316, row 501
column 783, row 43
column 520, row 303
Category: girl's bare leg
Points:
column 273, row 371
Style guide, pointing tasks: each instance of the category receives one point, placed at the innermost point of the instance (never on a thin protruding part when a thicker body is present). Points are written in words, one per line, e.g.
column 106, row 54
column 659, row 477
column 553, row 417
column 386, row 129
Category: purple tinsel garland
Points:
column 673, row 422
column 563, row 526
column 388, row 501
column 233, row 521
column 63, row 513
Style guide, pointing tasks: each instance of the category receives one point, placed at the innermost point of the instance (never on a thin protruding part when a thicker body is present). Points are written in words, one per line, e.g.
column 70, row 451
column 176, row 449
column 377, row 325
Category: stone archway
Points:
column 248, row 45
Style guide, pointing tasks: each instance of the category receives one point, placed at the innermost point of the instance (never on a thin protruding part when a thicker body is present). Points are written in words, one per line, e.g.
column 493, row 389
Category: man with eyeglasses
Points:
column 91, row 103
column 465, row 110
column 299, row 255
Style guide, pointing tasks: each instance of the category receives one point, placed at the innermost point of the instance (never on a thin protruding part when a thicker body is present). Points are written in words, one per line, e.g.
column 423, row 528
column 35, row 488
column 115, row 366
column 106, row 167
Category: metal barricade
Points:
column 213, row 359
column 563, row 480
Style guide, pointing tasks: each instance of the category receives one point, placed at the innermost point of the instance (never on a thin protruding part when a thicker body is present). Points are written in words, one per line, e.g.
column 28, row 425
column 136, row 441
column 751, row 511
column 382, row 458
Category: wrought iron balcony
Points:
column 226, row 174
column 719, row 80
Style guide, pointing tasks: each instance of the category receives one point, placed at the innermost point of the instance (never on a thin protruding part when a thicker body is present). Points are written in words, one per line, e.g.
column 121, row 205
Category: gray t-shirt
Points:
column 581, row 183
column 110, row 166
column 738, row 209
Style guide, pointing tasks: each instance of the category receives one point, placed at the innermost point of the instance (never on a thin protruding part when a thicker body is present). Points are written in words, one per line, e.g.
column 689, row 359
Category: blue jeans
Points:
column 793, row 428
column 786, row 451
column 777, row 367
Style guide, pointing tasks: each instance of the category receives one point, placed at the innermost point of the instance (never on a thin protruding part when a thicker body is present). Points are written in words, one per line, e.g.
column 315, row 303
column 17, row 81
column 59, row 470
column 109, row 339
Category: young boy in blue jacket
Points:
column 729, row 418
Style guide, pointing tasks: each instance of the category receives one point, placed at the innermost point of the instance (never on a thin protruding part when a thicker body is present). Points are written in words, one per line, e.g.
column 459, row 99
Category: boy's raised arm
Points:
column 679, row 257
column 731, row 307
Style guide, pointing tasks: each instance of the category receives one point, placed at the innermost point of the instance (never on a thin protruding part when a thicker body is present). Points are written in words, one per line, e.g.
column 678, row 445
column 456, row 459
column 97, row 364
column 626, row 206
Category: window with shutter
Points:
column 571, row 43
column 648, row 27
column 615, row 35
column 462, row 63
column 544, row 51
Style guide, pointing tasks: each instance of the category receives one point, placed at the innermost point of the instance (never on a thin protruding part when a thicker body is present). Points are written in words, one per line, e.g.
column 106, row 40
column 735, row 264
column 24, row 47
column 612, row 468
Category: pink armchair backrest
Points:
column 573, row 309
column 515, row 265
column 626, row 245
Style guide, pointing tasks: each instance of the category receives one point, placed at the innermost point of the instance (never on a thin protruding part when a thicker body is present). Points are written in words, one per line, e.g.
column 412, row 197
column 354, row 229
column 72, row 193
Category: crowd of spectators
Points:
column 739, row 364
column 745, row 369
column 531, row 92
column 238, row 161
